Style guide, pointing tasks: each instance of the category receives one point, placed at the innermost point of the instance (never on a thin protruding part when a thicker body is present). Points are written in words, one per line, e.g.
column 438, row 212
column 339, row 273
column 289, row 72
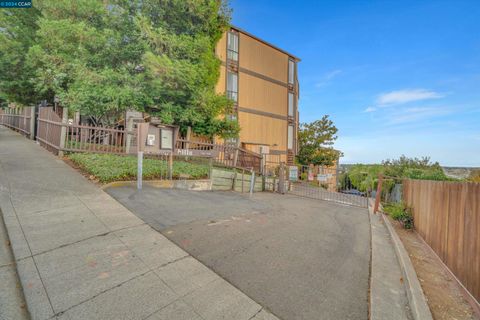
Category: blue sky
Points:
column 396, row 77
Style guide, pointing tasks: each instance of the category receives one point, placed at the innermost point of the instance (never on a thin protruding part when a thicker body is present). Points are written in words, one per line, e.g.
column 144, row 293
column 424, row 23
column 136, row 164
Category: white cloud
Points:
column 415, row 114
column 370, row 109
column 327, row 78
column 407, row 95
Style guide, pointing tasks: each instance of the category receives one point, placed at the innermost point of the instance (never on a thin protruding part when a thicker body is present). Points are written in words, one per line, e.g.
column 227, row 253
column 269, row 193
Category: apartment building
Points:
column 262, row 81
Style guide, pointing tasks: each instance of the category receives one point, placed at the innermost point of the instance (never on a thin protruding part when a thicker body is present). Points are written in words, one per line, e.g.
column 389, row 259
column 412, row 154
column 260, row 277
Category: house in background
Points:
column 262, row 81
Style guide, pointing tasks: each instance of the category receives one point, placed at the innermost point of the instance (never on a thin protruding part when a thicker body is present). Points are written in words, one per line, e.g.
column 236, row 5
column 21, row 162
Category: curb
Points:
column 193, row 185
column 416, row 299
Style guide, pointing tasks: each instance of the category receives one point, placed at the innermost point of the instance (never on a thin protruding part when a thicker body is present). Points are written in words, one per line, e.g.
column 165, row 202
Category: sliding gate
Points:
column 322, row 183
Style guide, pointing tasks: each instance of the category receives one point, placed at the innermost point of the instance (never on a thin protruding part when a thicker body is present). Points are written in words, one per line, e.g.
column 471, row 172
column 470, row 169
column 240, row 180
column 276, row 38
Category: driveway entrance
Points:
column 299, row 258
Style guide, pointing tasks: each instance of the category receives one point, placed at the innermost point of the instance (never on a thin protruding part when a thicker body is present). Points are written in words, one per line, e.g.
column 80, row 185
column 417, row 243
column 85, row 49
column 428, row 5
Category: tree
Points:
column 414, row 168
column 315, row 141
column 17, row 34
column 102, row 57
column 181, row 66
column 85, row 54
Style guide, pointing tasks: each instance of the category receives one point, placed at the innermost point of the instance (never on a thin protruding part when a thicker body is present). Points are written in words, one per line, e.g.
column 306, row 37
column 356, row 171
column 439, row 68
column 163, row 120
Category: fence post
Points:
column 235, row 156
column 234, row 178
column 170, row 166
column 188, row 137
column 243, row 178
column 63, row 131
column 379, row 193
column 210, row 165
column 263, row 164
column 281, row 178
column 129, row 135
column 252, row 182
column 32, row 123
column 139, row 169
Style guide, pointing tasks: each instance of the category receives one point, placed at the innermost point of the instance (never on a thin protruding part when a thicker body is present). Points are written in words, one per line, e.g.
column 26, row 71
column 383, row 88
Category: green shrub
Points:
column 108, row 167
column 399, row 212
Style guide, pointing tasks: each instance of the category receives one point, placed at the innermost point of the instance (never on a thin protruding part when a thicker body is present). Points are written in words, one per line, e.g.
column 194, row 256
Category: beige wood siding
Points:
column 261, row 58
column 258, row 94
column 263, row 130
column 221, row 83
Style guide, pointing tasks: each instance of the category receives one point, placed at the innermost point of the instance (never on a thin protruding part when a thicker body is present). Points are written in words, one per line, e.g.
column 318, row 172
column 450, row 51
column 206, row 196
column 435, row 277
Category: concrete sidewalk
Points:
column 82, row 255
column 388, row 296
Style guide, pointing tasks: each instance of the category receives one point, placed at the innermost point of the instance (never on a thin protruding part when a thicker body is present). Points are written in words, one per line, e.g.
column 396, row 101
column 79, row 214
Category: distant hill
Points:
column 458, row 172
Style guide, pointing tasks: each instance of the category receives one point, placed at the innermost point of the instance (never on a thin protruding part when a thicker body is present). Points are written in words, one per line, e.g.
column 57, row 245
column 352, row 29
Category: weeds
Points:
column 400, row 212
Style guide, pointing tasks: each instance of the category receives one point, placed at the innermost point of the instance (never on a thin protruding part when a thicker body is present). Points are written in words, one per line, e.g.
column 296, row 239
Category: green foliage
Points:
column 304, row 176
column 181, row 64
column 414, row 168
column 364, row 177
column 85, row 53
column 474, row 176
column 315, row 140
column 399, row 212
column 104, row 57
column 17, row 35
column 108, row 167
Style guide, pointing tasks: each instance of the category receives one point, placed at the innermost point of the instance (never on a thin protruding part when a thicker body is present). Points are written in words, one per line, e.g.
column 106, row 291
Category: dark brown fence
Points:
column 81, row 138
column 49, row 129
column 57, row 136
column 18, row 119
column 447, row 216
column 223, row 154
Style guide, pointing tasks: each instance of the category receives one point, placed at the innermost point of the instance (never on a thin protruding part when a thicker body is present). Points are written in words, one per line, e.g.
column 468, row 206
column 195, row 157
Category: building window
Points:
column 290, row 138
column 290, row 104
column 232, row 46
column 291, row 72
column 232, row 86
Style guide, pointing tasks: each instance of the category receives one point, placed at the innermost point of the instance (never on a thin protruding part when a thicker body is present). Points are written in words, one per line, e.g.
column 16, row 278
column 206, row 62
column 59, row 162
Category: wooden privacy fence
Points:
column 447, row 216
column 19, row 119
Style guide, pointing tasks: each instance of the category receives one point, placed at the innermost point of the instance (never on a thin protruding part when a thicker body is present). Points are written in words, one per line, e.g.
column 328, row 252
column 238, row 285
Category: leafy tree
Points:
column 315, row 141
column 85, row 53
column 414, row 168
column 17, row 34
column 181, row 64
column 104, row 57
column 365, row 176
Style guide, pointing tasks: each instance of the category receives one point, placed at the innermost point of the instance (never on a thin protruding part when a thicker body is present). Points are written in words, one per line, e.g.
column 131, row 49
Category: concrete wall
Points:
column 237, row 181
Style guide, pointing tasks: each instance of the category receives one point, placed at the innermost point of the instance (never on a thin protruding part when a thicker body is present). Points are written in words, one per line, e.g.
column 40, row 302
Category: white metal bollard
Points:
column 139, row 170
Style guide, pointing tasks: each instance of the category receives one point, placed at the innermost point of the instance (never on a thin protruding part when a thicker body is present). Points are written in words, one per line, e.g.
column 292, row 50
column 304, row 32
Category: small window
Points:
column 232, row 46
column 290, row 104
column 290, row 137
column 291, row 72
column 232, row 86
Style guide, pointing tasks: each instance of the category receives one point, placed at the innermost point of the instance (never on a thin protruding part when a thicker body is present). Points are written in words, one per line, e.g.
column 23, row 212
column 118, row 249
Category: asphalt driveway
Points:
column 299, row 258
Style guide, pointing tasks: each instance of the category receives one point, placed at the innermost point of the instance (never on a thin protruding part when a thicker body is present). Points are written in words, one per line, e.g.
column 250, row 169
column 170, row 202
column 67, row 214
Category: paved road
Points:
column 299, row 258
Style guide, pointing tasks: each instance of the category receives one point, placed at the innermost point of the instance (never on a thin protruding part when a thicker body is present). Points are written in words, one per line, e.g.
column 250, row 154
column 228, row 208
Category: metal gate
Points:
column 322, row 183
